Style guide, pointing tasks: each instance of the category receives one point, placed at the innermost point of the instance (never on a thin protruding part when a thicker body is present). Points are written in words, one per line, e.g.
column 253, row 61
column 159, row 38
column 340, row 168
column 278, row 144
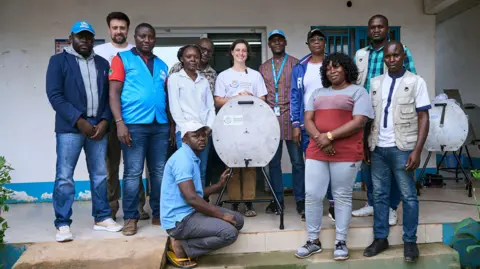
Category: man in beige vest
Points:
column 399, row 130
column 370, row 64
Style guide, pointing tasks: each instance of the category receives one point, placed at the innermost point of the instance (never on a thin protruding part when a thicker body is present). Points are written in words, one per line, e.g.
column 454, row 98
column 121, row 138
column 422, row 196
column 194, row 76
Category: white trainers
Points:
column 64, row 234
column 392, row 217
column 108, row 225
column 365, row 211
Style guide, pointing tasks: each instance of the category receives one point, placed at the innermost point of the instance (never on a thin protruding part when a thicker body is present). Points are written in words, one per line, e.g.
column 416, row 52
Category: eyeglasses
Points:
column 207, row 51
column 316, row 38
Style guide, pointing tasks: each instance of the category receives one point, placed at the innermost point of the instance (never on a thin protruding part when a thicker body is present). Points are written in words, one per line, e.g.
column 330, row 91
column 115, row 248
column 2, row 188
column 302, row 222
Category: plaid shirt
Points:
column 376, row 64
column 208, row 72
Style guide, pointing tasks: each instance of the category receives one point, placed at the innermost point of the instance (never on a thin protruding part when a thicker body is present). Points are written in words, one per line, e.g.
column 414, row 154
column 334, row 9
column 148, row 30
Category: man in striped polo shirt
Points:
column 277, row 73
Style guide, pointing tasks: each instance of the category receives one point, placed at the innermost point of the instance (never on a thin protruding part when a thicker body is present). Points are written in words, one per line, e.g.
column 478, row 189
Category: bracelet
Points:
column 119, row 120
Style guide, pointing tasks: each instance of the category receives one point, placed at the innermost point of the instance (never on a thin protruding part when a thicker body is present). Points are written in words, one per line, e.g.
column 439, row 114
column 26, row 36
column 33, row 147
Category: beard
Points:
column 119, row 39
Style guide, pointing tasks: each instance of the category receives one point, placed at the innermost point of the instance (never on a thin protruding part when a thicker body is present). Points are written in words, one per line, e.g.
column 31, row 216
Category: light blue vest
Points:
column 143, row 97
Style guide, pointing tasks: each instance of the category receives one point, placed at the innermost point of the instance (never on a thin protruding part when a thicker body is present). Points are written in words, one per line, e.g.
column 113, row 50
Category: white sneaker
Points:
column 64, row 234
column 392, row 217
column 365, row 211
column 108, row 225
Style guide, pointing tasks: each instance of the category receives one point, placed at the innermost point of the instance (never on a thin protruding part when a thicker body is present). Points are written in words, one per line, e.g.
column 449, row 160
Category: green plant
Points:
column 5, row 178
column 466, row 236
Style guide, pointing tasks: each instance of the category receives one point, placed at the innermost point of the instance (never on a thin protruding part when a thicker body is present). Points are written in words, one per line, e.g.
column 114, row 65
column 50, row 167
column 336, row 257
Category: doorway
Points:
column 170, row 40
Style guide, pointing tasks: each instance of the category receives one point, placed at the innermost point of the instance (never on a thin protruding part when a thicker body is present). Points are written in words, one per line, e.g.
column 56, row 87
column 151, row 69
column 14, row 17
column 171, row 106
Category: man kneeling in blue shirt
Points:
column 195, row 227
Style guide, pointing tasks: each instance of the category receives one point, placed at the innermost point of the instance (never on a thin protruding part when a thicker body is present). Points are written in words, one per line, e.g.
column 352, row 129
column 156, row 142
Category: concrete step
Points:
column 290, row 239
column 433, row 256
column 124, row 253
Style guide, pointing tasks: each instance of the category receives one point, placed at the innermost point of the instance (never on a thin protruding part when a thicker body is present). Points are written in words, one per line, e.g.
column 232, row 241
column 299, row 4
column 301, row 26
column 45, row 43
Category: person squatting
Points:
column 337, row 115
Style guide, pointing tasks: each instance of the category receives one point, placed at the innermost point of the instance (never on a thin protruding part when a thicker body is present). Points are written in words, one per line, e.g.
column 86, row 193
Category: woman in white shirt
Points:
column 190, row 98
column 235, row 81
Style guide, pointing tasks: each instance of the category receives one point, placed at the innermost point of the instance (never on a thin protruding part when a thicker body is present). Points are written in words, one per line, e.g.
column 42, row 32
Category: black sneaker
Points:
column 302, row 218
column 410, row 252
column 235, row 207
column 378, row 246
column 331, row 212
column 301, row 207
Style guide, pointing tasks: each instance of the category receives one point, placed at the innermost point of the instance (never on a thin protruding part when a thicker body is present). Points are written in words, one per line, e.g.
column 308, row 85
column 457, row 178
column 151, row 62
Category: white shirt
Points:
column 230, row 83
column 108, row 51
column 311, row 81
column 190, row 101
column 386, row 136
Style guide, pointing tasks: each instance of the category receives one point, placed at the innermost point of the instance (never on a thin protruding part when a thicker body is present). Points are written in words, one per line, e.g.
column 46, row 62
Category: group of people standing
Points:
column 369, row 113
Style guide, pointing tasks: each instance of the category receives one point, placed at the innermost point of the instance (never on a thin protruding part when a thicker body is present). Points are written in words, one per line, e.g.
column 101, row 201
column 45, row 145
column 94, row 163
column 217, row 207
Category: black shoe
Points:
column 272, row 208
column 378, row 246
column 235, row 207
column 331, row 212
column 301, row 207
column 302, row 218
column 410, row 252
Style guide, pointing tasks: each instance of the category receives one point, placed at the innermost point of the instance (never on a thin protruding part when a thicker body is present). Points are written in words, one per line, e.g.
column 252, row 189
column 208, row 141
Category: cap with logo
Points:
column 315, row 31
column 81, row 26
column 276, row 32
column 192, row 127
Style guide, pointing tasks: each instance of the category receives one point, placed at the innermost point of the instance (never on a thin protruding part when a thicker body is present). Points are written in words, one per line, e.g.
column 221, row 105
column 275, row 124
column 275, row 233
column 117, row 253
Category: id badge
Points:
column 276, row 109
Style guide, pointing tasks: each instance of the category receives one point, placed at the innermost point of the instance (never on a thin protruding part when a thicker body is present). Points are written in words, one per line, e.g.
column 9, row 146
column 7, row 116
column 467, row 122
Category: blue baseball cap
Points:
column 81, row 26
column 276, row 32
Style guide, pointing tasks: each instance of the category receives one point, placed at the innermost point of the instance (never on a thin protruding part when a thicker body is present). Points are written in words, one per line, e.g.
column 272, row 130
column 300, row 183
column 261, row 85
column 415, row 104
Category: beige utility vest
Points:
column 404, row 113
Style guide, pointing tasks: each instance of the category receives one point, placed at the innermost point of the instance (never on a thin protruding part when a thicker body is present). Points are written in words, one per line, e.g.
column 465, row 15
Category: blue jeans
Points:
column 388, row 168
column 149, row 141
column 69, row 147
column 366, row 173
column 298, row 171
column 203, row 158
column 305, row 141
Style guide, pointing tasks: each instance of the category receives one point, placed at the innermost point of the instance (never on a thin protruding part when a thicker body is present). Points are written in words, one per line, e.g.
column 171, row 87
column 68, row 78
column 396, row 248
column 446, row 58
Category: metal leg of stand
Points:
column 420, row 182
column 441, row 160
column 219, row 199
column 467, row 178
column 456, row 166
column 469, row 157
column 279, row 206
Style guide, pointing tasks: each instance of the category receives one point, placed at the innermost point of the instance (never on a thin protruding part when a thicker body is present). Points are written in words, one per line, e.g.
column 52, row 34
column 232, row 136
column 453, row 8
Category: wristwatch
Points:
column 330, row 136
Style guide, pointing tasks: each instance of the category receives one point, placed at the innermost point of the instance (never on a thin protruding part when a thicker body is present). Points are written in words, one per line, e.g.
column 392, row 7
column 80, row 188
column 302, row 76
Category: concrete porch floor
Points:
column 32, row 223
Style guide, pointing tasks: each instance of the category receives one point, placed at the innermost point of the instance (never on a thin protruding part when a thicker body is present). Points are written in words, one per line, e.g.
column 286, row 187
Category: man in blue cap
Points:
column 277, row 74
column 77, row 88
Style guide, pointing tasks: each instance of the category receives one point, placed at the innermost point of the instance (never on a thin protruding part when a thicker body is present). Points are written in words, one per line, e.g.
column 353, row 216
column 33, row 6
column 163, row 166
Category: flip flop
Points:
column 172, row 258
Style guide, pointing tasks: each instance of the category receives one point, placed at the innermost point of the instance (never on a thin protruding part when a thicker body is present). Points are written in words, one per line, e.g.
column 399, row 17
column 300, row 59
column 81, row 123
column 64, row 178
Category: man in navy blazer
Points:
column 77, row 88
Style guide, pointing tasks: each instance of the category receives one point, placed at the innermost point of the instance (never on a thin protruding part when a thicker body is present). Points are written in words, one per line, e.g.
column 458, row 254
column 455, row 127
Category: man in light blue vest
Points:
column 139, row 106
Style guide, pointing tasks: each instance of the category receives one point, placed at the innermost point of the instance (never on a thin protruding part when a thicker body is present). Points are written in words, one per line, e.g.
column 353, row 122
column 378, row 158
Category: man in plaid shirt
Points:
column 369, row 61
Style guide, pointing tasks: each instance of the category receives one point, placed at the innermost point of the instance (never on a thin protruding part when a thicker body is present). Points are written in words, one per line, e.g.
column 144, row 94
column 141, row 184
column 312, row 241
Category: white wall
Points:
column 458, row 56
column 28, row 29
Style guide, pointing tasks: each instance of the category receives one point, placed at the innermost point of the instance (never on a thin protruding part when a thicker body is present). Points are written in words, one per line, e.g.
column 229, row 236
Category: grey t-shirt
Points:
column 353, row 98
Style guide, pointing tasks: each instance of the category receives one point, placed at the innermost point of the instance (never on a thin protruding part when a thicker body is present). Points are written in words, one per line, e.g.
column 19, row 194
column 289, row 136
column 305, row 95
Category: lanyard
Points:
column 276, row 77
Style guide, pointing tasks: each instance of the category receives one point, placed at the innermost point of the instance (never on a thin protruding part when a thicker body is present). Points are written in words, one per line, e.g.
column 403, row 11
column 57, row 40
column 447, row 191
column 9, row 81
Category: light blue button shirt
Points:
column 183, row 165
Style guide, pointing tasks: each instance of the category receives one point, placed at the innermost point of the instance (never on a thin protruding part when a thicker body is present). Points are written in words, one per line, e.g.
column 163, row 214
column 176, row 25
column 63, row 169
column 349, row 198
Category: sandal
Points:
column 172, row 258
column 249, row 211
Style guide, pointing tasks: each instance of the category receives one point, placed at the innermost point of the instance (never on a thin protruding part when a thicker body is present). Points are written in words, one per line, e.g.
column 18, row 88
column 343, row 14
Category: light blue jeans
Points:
column 203, row 158
column 69, row 147
column 341, row 176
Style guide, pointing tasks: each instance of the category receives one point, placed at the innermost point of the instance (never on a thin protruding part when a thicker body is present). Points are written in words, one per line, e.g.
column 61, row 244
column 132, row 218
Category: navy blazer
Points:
column 66, row 91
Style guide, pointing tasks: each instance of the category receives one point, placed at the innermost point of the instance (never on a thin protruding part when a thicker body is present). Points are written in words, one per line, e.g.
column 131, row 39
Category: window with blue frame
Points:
column 349, row 39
